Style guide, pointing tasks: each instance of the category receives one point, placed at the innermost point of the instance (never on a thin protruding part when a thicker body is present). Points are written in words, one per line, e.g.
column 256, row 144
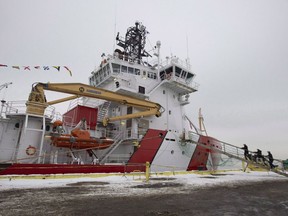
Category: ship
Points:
column 130, row 114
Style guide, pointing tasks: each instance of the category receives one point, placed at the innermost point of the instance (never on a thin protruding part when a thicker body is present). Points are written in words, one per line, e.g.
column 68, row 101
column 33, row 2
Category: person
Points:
column 259, row 156
column 271, row 159
column 246, row 152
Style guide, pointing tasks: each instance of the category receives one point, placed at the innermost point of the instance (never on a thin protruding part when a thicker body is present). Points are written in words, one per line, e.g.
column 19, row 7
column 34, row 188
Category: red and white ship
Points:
column 132, row 112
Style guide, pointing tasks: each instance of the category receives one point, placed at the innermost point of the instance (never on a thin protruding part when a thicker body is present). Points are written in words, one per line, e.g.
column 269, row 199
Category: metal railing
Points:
column 238, row 153
column 19, row 107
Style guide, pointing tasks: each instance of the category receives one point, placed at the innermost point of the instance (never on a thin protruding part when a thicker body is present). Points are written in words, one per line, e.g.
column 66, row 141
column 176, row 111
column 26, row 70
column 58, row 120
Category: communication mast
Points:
column 134, row 42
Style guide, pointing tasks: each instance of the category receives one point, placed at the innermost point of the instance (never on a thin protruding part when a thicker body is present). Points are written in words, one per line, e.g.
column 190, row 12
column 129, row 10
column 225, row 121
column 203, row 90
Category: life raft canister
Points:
column 30, row 150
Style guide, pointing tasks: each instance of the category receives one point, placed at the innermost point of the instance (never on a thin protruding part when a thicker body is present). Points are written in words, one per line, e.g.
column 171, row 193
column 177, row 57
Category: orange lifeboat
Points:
column 80, row 139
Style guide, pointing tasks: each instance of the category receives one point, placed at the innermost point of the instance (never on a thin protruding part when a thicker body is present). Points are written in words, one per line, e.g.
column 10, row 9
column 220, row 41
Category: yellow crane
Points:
column 37, row 102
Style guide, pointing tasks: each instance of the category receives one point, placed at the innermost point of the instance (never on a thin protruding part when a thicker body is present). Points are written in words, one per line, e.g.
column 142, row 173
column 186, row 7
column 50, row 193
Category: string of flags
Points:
column 58, row 68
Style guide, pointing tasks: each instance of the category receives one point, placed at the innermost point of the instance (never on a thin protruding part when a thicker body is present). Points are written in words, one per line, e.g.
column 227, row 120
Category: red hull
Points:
column 47, row 169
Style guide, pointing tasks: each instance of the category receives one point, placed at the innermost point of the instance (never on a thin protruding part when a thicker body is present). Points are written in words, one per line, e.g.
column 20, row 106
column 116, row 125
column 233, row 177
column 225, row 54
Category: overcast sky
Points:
column 238, row 50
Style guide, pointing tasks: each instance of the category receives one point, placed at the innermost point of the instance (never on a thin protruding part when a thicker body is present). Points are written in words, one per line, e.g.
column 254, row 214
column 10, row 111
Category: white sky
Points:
column 238, row 49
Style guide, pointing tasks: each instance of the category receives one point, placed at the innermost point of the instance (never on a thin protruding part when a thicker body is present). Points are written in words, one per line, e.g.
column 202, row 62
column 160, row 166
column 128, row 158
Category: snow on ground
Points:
column 125, row 185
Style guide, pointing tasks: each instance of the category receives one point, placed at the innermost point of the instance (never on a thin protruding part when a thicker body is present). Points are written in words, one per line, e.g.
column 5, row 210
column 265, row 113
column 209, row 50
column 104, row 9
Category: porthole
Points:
column 47, row 128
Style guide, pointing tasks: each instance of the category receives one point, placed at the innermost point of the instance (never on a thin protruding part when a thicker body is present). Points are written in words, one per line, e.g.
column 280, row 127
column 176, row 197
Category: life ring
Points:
column 30, row 150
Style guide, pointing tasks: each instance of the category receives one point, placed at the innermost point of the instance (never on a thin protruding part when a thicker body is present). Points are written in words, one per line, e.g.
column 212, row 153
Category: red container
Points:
column 74, row 116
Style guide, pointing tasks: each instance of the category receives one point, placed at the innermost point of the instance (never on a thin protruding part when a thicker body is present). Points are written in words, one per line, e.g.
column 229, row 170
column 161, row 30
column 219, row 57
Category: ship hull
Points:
column 49, row 169
column 149, row 150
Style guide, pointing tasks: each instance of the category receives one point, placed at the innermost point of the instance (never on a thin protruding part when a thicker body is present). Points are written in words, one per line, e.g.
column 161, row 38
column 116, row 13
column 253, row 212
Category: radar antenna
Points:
column 134, row 42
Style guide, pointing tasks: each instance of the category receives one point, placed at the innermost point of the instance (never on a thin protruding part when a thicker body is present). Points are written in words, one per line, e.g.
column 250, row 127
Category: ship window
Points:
column 172, row 152
column 169, row 112
column 123, row 69
column 116, row 68
column 17, row 125
column 164, row 92
column 178, row 71
column 129, row 110
column 130, row 70
column 151, row 75
column 141, row 89
column 137, row 71
column 189, row 77
column 129, row 124
column 47, row 128
column 183, row 75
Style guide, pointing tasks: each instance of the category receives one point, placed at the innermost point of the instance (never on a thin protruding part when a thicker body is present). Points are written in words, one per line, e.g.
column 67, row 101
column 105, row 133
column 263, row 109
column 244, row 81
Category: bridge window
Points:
column 123, row 69
column 177, row 71
column 166, row 73
column 116, row 68
column 183, row 74
column 189, row 77
column 130, row 70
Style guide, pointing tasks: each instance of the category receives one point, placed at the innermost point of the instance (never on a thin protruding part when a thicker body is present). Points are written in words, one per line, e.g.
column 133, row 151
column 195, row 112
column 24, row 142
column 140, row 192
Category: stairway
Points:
column 238, row 153
column 117, row 141
column 102, row 113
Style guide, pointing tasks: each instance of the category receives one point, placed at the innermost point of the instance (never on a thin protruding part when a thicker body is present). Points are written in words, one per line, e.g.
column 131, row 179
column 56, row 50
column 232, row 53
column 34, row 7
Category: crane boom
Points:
column 37, row 102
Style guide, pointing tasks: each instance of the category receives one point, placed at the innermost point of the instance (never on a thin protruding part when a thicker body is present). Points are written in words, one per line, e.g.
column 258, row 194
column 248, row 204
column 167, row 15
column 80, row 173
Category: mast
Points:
column 134, row 42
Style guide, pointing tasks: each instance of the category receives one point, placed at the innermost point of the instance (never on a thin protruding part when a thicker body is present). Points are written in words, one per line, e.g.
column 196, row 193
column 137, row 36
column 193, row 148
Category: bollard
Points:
column 147, row 171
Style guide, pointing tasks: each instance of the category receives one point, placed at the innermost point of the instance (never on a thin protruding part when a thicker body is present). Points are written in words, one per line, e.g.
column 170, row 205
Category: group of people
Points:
column 258, row 156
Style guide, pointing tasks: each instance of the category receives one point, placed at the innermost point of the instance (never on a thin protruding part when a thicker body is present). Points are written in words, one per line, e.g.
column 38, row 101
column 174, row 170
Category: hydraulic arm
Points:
column 37, row 102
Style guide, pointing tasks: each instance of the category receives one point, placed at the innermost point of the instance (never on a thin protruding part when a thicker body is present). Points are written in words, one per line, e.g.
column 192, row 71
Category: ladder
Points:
column 237, row 153
column 103, row 111
column 117, row 141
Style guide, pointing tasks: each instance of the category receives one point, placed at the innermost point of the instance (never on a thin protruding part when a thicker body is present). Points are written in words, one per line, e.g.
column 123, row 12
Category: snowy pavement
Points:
column 126, row 185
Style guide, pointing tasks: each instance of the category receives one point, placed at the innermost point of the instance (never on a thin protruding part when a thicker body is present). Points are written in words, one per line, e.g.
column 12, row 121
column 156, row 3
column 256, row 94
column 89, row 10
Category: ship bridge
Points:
column 122, row 75
column 177, row 76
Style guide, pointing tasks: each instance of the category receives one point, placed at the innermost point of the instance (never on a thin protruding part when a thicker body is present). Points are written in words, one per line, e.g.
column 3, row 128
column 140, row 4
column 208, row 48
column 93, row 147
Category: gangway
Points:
column 237, row 153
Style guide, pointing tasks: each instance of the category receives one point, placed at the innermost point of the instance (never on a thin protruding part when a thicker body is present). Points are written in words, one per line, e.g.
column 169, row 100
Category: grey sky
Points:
column 238, row 49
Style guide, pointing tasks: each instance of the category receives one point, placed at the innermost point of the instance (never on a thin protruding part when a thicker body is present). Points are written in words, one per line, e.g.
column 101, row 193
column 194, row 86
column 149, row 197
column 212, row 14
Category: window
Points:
column 141, row 89
column 189, row 77
column 123, row 69
column 151, row 75
column 116, row 68
column 130, row 70
column 178, row 71
column 137, row 71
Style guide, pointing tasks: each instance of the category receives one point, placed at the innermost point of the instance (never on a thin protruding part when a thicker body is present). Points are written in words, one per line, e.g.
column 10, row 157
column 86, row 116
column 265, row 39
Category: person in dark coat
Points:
column 259, row 155
column 246, row 152
column 271, row 159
